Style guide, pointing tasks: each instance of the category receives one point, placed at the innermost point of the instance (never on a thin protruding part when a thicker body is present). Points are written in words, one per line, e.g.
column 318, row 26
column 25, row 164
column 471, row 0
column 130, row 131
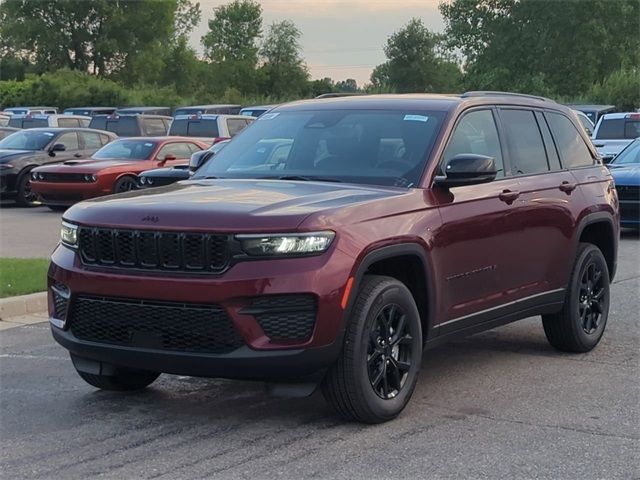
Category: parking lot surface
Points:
column 501, row 404
column 28, row 232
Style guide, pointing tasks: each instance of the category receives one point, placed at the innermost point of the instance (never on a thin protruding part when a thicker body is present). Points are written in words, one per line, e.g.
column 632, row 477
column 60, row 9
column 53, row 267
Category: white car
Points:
column 614, row 132
column 42, row 121
column 27, row 110
column 209, row 127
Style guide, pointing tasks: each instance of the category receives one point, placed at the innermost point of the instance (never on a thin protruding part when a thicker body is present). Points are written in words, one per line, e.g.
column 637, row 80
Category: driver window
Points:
column 476, row 133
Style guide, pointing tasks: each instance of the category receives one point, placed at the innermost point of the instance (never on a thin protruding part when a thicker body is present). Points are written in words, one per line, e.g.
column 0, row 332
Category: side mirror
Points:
column 167, row 158
column 198, row 159
column 467, row 169
column 58, row 147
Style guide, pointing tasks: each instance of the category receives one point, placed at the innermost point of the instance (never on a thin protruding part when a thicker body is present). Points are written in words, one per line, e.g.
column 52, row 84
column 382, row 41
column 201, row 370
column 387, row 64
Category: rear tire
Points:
column 579, row 326
column 123, row 380
column 377, row 370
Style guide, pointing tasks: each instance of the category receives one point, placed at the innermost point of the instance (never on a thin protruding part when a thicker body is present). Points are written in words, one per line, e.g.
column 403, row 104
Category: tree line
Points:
column 137, row 51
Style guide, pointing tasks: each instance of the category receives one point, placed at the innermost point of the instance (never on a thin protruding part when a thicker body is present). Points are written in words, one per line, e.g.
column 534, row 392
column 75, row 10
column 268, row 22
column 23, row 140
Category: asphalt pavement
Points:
column 28, row 232
column 501, row 404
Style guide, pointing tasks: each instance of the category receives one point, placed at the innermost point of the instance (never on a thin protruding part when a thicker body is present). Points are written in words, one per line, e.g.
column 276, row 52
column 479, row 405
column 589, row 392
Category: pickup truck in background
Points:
column 614, row 132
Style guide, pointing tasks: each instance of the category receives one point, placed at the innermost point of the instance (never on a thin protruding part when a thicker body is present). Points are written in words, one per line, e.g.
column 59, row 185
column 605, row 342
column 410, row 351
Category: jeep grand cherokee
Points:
column 390, row 225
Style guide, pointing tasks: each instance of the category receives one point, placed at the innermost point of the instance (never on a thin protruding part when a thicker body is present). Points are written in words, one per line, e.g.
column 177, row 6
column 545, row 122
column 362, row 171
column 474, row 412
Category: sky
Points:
column 340, row 38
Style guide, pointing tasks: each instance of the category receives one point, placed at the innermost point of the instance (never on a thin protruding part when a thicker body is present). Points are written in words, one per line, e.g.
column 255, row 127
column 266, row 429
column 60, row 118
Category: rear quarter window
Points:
column 68, row 122
column 195, row 128
column 154, row 127
column 571, row 147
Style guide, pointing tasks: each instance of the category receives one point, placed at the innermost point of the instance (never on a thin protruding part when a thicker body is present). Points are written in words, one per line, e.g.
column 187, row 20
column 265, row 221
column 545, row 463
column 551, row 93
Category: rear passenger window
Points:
column 236, row 125
column 476, row 133
column 524, row 141
column 69, row 140
column 68, row 122
column 154, row 127
column 91, row 140
column 572, row 148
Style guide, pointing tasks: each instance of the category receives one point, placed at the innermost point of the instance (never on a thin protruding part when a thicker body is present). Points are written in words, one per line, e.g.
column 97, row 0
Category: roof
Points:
column 259, row 107
column 68, row 129
column 618, row 115
column 160, row 139
column 425, row 101
column 221, row 105
column 142, row 108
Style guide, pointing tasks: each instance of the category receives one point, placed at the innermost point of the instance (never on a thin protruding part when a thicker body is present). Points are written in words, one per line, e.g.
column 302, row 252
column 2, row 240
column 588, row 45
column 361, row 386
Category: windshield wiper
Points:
column 303, row 178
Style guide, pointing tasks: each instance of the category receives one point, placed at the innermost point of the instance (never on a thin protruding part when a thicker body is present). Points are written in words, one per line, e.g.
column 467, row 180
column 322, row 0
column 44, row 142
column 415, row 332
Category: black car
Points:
column 165, row 176
column 27, row 149
column 593, row 112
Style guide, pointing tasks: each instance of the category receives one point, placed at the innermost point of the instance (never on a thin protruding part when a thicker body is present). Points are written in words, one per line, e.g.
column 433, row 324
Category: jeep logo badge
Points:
column 150, row 218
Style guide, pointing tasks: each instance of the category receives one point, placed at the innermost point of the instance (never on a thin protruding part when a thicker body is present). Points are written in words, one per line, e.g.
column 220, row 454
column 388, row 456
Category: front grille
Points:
column 628, row 192
column 63, row 177
column 186, row 252
column 284, row 317
column 157, row 325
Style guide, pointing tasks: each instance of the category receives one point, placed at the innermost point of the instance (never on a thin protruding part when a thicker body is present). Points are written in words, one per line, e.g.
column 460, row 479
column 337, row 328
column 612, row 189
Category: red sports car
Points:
column 112, row 169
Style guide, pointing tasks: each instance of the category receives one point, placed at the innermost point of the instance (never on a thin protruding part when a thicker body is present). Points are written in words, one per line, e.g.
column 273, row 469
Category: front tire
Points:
column 377, row 370
column 579, row 326
column 26, row 197
column 123, row 380
column 125, row 184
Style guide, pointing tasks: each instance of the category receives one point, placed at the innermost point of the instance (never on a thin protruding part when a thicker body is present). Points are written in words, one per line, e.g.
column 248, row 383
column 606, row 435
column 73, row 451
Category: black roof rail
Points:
column 489, row 93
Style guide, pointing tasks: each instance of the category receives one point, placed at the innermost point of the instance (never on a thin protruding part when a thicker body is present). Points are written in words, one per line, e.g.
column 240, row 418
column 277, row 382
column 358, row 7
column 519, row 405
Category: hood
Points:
column 626, row 174
column 5, row 154
column 90, row 165
column 229, row 205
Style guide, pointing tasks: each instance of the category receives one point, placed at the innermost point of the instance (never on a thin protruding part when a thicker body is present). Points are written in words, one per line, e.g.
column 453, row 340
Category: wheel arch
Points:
column 600, row 230
column 408, row 263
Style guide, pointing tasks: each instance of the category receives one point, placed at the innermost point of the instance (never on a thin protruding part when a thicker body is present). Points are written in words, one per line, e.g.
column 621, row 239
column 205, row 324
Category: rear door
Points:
column 479, row 241
column 547, row 195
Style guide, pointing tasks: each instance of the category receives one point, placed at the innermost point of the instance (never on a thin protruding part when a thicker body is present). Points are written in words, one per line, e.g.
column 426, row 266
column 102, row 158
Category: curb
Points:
column 23, row 305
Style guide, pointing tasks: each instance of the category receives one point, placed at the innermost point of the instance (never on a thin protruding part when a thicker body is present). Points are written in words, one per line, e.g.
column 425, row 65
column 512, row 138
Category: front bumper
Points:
column 66, row 194
column 259, row 356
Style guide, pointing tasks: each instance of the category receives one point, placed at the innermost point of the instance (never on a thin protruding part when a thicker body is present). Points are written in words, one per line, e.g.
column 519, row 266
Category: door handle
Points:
column 567, row 187
column 508, row 196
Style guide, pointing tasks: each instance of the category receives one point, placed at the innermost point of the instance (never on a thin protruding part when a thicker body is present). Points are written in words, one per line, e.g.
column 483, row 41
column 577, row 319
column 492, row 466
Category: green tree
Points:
column 415, row 63
column 543, row 46
column 347, row 86
column 234, row 32
column 283, row 71
column 101, row 36
column 321, row 86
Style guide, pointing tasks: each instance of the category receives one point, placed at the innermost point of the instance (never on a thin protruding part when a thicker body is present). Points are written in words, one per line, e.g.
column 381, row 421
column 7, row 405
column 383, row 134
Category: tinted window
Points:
column 124, row 126
column 69, row 140
column 632, row 129
column 586, row 125
column 611, row 129
column 195, row 128
column 28, row 122
column 92, row 141
column 68, row 122
column 154, row 126
column 381, row 147
column 179, row 150
column 476, row 133
column 524, row 141
column 99, row 123
column 104, row 139
column 132, row 149
column 573, row 151
column 235, row 125
column 193, row 147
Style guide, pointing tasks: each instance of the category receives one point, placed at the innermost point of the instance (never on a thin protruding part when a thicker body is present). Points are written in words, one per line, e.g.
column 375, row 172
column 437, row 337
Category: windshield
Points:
column 126, row 149
column 629, row 155
column 27, row 141
column 379, row 147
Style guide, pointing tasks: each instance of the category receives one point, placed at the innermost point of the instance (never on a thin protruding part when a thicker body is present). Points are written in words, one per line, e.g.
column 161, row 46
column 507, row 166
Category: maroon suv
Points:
column 380, row 227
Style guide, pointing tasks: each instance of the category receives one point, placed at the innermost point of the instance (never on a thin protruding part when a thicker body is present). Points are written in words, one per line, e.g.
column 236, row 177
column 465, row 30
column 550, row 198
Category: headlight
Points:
column 286, row 244
column 90, row 178
column 143, row 180
column 69, row 234
column 34, row 176
column 149, row 181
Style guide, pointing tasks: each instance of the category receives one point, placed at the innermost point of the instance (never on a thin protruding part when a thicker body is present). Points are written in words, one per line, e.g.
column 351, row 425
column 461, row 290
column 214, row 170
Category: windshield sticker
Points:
column 416, row 118
column 148, row 144
column 269, row 116
column 49, row 134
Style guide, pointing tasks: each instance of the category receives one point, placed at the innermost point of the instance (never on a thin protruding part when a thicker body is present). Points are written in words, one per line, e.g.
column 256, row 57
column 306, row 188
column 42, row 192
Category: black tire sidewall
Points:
column 389, row 292
column 589, row 254
column 121, row 180
column 23, row 180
